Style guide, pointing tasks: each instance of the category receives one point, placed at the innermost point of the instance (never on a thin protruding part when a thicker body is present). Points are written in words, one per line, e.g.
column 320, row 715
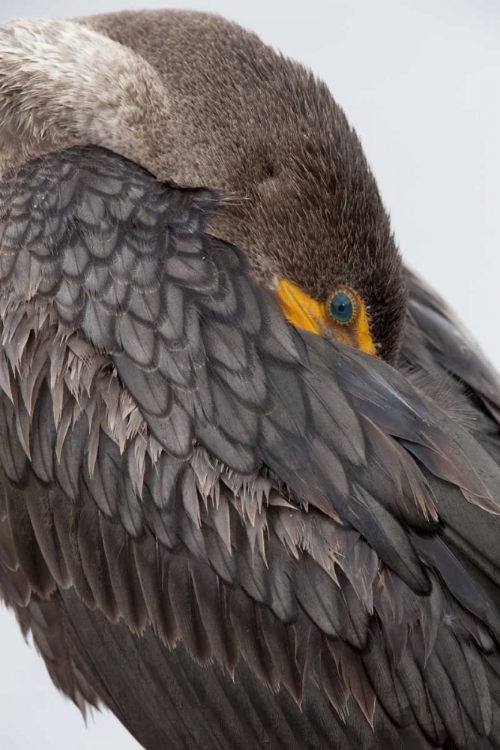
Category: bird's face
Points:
column 343, row 315
column 318, row 235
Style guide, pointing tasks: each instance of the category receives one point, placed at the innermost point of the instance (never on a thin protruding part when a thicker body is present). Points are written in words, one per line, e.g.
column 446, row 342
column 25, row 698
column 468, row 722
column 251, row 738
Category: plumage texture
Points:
column 232, row 533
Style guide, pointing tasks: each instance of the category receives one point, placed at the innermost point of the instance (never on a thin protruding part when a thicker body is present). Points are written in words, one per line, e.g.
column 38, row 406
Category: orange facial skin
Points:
column 307, row 313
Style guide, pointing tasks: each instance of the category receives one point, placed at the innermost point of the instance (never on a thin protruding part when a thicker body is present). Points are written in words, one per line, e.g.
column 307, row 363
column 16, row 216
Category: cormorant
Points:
column 249, row 463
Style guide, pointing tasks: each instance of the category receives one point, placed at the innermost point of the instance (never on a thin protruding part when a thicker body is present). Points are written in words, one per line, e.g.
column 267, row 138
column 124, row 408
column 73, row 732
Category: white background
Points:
column 420, row 83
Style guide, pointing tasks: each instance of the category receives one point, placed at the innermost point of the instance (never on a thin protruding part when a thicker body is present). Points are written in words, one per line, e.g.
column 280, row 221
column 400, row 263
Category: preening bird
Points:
column 249, row 463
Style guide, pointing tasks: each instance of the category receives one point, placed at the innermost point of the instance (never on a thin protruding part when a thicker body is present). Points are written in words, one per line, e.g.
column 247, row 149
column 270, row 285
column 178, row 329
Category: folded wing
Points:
column 230, row 532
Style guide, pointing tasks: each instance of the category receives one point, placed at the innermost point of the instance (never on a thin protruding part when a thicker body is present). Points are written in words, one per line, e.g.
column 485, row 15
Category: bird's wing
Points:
column 234, row 534
column 449, row 345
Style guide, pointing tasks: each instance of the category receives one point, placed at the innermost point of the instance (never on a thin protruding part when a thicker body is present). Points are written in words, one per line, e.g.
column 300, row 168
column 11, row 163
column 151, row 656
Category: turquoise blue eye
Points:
column 341, row 307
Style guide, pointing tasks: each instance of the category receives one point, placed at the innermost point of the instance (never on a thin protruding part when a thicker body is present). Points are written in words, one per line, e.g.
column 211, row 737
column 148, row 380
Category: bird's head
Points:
column 200, row 102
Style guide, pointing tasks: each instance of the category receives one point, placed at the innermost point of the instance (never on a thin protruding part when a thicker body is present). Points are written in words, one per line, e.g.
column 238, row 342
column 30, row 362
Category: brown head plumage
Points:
column 200, row 102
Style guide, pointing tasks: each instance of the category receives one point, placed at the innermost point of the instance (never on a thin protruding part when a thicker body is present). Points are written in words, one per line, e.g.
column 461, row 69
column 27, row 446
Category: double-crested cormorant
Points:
column 249, row 464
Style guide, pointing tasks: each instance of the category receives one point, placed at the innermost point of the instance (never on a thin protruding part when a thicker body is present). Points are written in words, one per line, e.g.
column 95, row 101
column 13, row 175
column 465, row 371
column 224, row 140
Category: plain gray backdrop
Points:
column 420, row 83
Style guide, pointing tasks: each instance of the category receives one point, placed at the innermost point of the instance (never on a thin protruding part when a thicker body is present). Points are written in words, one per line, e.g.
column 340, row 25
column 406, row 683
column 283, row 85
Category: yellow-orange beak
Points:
column 307, row 313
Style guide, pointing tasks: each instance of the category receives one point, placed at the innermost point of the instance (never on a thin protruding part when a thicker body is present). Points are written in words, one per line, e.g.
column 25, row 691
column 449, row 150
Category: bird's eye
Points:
column 342, row 307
